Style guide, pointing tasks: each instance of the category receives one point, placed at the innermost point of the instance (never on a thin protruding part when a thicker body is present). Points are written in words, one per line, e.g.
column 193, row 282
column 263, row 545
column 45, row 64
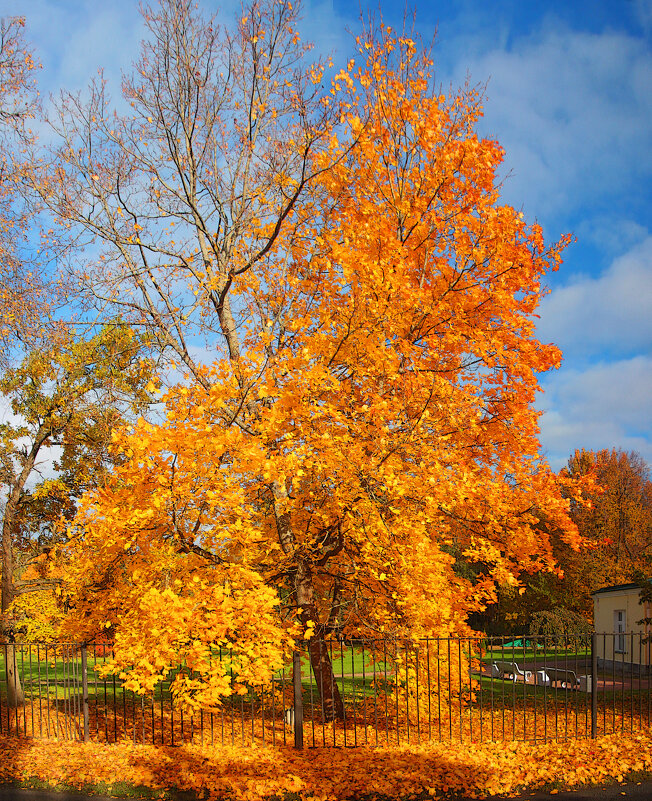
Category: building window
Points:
column 620, row 622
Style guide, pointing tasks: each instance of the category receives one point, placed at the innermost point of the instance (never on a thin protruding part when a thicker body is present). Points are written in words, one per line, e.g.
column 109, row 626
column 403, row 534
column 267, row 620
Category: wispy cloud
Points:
column 74, row 39
column 611, row 234
column 605, row 406
column 573, row 111
column 601, row 396
column 606, row 314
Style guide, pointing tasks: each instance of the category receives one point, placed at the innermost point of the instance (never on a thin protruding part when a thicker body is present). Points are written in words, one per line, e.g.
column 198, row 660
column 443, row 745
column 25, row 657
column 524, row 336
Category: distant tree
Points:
column 614, row 518
column 617, row 524
column 22, row 300
column 68, row 397
column 561, row 627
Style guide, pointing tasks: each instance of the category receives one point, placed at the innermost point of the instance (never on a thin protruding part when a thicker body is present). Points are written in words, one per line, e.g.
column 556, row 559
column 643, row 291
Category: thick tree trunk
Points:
column 15, row 695
column 320, row 660
column 322, row 668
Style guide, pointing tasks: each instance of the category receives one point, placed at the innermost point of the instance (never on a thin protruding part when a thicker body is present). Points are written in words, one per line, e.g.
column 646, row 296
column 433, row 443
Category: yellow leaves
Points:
column 384, row 420
column 250, row 774
column 39, row 614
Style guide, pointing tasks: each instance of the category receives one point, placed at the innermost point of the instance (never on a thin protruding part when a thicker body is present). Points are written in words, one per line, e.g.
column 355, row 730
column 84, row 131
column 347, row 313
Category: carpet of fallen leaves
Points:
column 563, row 716
column 262, row 772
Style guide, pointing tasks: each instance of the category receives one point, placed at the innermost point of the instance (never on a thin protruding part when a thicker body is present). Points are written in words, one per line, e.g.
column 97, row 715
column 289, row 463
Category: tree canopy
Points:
column 611, row 504
column 368, row 309
column 66, row 399
column 616, row 523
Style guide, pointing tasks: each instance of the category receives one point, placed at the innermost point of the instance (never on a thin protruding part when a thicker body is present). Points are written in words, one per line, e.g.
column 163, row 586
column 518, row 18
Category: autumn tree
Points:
column 21, row 297
column 617, row 524
column 613, row 516
column 189, row 192
column 368, row 308
column 65, row 400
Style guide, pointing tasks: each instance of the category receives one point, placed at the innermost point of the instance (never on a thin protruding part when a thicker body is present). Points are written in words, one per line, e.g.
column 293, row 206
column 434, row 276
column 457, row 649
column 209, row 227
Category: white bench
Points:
column 512, row 670
column 567, row 678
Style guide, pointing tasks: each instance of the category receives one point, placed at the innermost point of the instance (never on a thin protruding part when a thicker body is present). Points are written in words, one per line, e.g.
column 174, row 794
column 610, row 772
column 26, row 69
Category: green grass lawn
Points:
column 60, row 674
column 349, row 661
column 519, row 655
column 56, row 673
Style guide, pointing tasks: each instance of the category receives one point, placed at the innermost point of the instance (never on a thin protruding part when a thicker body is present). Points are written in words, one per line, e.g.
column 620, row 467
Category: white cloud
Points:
column 606, row 406
column 73, row 39
column 321, row 25
column 611, row 234
column 609, row 313
column 643, row 9
column 573, row 110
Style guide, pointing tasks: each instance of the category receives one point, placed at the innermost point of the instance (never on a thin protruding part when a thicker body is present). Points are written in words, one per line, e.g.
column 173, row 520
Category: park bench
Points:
column 502, row 668
column 567, row 678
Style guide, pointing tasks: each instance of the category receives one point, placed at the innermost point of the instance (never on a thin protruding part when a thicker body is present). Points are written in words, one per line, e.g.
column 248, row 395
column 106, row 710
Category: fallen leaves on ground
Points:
column 257, row 772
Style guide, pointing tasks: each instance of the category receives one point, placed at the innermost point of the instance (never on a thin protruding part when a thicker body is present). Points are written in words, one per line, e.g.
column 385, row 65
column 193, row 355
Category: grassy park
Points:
column 383, row 702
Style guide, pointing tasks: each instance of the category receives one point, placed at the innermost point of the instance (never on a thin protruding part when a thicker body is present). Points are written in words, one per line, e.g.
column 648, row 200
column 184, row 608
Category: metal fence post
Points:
column 84, row 669
column 594, row 685
column 298, row 700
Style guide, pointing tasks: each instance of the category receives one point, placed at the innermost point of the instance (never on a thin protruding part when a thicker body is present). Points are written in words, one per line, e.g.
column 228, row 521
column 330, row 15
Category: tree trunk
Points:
column 15, row 695
column 320, row 660
column 322, row 669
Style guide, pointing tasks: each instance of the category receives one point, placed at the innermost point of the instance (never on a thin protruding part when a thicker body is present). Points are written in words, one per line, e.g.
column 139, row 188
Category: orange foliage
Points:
column 369, row 410
column 617, row 523
column 396, row 772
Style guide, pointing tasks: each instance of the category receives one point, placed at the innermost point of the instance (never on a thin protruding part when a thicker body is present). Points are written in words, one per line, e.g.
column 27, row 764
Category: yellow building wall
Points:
column 622, row 648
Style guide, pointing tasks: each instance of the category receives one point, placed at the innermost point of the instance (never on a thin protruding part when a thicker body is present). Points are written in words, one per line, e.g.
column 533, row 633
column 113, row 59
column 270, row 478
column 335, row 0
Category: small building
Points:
column 623, row 643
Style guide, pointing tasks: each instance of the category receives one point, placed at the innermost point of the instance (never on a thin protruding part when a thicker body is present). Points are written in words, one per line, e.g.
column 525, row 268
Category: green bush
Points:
column 561, row 628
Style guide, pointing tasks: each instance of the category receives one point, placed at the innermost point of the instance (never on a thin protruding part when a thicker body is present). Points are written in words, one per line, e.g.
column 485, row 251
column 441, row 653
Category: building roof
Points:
column 617, row 588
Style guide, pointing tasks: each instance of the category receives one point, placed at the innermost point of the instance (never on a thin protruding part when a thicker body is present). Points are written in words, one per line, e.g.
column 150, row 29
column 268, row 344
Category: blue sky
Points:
column 569, row 96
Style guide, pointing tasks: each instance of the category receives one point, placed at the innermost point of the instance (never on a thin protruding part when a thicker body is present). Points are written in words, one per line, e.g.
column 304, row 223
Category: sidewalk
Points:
column 617, row 792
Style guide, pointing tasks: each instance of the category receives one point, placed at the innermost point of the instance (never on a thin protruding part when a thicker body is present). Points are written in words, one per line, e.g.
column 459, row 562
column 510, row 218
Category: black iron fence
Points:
column 466, row 689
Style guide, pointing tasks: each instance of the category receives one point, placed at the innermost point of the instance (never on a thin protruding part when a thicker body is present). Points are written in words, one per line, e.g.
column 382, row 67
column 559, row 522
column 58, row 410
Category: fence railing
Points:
column 465, row 689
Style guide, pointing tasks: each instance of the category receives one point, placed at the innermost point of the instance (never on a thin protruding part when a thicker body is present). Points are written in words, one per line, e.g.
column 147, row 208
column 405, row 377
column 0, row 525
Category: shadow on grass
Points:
column 390, row 773
column 188, row 772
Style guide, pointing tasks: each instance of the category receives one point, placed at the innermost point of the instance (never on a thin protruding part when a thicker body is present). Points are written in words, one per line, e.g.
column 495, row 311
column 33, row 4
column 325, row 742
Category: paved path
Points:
column 623, row 683
column 617, row 792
